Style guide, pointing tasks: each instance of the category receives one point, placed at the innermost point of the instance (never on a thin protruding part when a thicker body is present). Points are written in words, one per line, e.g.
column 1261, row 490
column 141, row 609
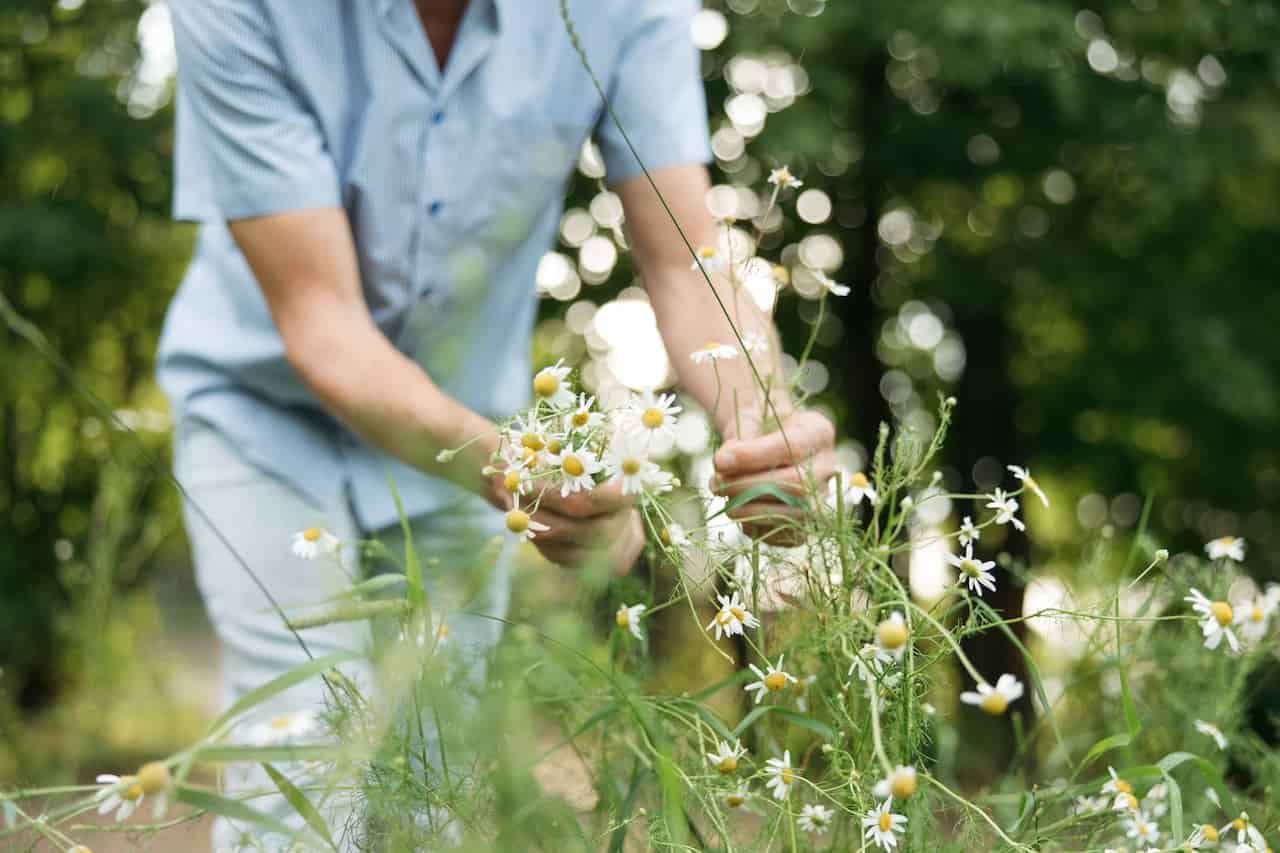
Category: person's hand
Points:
column 798, row 459
column 602, row 524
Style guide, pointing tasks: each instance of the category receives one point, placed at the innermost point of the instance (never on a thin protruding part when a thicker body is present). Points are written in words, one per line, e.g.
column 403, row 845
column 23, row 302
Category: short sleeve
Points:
column 656, row 91
column 245, row 143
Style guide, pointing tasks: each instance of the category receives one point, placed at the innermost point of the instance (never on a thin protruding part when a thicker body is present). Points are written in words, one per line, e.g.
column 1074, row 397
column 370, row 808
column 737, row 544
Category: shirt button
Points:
column 437, row 117
column 434, row 208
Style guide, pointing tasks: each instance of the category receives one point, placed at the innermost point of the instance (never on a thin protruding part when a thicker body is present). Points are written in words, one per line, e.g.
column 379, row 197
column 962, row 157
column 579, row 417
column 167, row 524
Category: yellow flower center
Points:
column 737, row 613
column 517, row 521
column 787, row 776
column 153, row 777
column 581, row 418
column 132, row 790
column 623, row 617
column 1240, row 824
column 994, row 703
column 733, row 801
column 1255, row 614
column 311, row 534
column 710, row 346
column 781, row 274
column 775, row 680
column 1123, row 787
column 1227, row 541
column 970, row 568
column 532, row 440
column 902, row 785
column 442, row 631
column 631, row 467
column 1222, row 612
column 511, row 480
column 529, row 455
column 554, row 447
column 892, row 634
column 1130, row 802
column 707, row 252
column 652, row 417
column 860, row 480
column 724, row 617
column 546, row 384
column 665, row 536
column 886, row 821
column 1210, row 833
column 728, row 764
column 572, row 466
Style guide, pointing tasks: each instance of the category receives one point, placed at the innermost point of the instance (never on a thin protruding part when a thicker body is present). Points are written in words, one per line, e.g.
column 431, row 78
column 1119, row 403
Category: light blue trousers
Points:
column 258, row 514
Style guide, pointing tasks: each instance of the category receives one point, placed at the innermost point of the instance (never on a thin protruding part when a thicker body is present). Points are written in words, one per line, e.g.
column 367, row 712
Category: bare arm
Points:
column 305, row 263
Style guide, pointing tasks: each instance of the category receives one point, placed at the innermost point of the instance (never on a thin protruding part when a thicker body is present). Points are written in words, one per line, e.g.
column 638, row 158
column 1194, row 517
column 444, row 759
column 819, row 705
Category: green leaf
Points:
column 412, row 568
column 760, row 490
column 1025, row 811
column 234, row 809
column 300, row 804
column 1175, row 804
column 281, row 683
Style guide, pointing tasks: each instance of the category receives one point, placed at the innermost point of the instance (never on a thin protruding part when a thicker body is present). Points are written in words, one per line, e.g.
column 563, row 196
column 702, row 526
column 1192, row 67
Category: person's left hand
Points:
column 799, row 463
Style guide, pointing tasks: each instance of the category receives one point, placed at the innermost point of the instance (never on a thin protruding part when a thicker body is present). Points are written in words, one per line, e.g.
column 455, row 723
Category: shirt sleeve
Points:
column 657, row 94
column 245, row 142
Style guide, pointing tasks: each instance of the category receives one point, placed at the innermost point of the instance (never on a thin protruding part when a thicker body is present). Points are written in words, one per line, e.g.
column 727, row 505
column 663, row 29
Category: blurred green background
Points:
column 1062, row 215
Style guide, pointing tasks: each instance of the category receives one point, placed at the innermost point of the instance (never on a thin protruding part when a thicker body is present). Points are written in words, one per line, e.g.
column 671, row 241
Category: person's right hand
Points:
column 586, row 526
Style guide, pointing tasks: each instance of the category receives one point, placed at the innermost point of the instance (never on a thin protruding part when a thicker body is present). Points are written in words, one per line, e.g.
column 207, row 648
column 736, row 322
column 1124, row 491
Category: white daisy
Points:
column 855, row 486
column 551, row 385
column 1090, row 805
column 835, row 288
column 815, row 819
column 284, row 728
column 583, row 417
column 738, row 797
column 651, row 415
column 780, row 776
column 314, row 542
column 977, row 573
column 782, row 178
column 521, row 524
column 1212, row 731
column 628, row 618
column 871, row 662
column 898, row 785
column 994, row 700
column 774, row 680
column 1142, row 829
column 1155, row 803
column 725, row 758
column 674, row 535
column 968, row 533
column 713, row 352
column 1246, row 833
column 1023, row 475
column 1204, row 836
column 628, row 460
column 1216, row 618
column 1251, row 618
column 517, row 480
column 120, row 794
column 732, row 618
column 892, row 635
column 577, row 467
column 525, row 440
column 1005, row 508
column 883, row 826
column 709, row 258
column 1228, row 547
column 1116, row 785
column 755, row 343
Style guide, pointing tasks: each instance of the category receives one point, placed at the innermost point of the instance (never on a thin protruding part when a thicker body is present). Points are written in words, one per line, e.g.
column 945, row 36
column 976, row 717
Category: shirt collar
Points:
column 475, row 38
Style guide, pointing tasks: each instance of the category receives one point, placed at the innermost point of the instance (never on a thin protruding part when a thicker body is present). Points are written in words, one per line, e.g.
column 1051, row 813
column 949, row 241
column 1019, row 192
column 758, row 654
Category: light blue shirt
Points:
column 452, row 181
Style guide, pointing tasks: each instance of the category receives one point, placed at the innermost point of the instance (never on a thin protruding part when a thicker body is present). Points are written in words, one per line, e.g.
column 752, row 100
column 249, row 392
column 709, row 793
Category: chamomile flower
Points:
column 725, row 758
column 713, row 352
column 968, row 533
column 1246, row 832
column 1216, row 618
column 882, row 826
column 674, row 535
column 1204, row 836
column 284, row 728
column 551, row 386
column 977, row 573
column 1006, row 508
column 782, row 178
column 855, row 487
column 1212, row 731
column 1116, row 785
column 898, row 785
column 628, row 618
column 780, row 776
column 1155, row 803
column 772, row 681
column 577, row 467
column 709, row 258
column 1023, row 475
column 315, row 542
column 651, row 415
column 755, row 343
column 517, row 480
column 1090, row 805
column 1142, row 829
column 835, row 288
column 525, row 440
column 892, row 635
column 815, row 819
column 583, row 417
column 738, row 797
column 1226, row 547
column 871, row 662
column 994, row 700
column 628, row 461
column 1251, row 618
column 120, row 794
column 733, row 618
column 522, row 524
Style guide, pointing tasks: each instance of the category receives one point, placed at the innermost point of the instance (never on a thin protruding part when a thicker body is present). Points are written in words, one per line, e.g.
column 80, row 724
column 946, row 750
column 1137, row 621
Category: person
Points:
column 375, row 184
